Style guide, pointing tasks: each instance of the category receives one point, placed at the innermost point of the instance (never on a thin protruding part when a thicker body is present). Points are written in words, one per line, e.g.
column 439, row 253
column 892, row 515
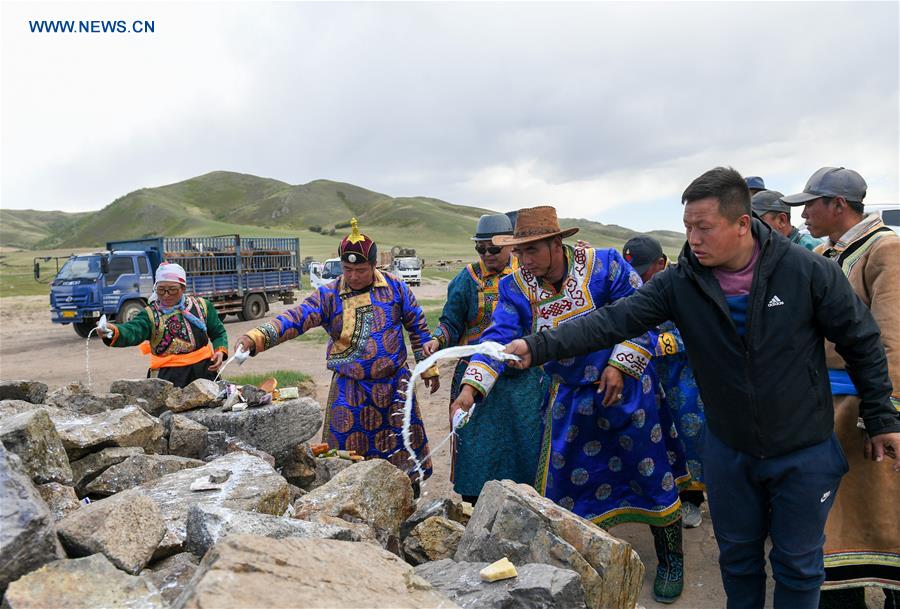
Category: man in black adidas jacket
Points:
column 753, row 310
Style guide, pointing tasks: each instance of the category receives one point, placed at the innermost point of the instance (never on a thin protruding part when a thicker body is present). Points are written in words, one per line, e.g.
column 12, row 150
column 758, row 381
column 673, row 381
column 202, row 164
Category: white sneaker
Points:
column 690, row 515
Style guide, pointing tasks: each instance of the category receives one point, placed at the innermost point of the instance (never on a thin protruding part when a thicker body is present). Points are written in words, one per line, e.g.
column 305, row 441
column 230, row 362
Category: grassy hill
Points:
column 222, row 203
column 24, row 228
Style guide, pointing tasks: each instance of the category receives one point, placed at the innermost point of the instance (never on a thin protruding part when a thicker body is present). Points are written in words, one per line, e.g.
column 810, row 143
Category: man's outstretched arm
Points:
column 604, row 327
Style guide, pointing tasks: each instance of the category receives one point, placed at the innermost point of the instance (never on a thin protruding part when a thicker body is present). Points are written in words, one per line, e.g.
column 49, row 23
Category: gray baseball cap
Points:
column 642, row 251
column 769, row 200
column 831, row 182
column 490, row 225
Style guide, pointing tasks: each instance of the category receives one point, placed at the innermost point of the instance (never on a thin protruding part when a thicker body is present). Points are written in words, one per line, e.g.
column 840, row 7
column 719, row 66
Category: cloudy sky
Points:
column 606, row 110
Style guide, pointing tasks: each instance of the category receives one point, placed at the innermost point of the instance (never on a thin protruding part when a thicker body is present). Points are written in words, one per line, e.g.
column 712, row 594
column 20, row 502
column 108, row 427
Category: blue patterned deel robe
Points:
column 367, row 354
column 608, row 465
column 502, row 439
column 681, row 400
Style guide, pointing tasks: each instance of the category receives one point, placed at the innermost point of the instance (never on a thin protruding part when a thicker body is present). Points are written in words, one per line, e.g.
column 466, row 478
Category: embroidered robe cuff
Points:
column 263, row 337
column 441, row 335
column 668, row 344
column 480, row 376
column 630, row 358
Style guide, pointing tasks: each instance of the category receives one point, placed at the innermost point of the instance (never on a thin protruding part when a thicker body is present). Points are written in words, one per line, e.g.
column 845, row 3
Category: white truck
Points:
column 324, row 273
column 401, row 262
column 409, row 269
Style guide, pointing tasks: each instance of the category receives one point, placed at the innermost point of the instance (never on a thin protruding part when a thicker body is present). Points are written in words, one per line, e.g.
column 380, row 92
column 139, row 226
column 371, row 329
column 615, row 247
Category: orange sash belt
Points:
column 178, row 359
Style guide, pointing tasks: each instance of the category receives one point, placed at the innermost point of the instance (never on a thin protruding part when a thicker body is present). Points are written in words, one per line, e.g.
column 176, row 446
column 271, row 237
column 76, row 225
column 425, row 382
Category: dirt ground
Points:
column 33, row 348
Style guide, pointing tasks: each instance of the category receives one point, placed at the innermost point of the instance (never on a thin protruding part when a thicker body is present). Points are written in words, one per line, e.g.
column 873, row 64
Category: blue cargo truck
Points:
column 240, row 275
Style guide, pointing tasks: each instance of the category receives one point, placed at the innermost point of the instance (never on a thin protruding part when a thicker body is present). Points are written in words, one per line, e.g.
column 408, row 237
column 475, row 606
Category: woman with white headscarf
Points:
column 183, row 335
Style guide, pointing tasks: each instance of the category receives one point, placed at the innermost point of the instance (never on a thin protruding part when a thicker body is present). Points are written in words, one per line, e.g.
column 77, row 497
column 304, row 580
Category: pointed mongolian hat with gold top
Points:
column 356, row 248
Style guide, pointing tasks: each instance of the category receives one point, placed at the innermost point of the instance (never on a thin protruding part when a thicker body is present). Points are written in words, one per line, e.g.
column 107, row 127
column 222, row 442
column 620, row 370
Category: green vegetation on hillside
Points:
column 23, row 228
column 221, row 203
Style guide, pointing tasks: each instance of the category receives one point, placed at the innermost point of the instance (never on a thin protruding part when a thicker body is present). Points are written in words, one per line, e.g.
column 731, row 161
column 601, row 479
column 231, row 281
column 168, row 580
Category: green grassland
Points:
column 221, row 203
column 285, row 378
column 23, row 228
column 16, row 275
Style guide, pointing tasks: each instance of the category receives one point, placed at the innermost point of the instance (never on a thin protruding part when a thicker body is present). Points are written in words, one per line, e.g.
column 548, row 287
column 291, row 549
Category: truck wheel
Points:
column 254, row 307
column 129, row 311
column 83, row 328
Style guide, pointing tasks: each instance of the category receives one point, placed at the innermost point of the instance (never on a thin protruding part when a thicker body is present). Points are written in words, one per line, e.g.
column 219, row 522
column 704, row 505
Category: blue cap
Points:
column 831, row 182
column 755, row 182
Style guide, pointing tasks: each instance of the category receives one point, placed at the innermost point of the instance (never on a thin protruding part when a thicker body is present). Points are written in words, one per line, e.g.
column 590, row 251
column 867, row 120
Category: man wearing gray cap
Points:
column 753, row 311
column 863, row 528
column 503, row 438
column 776, row 213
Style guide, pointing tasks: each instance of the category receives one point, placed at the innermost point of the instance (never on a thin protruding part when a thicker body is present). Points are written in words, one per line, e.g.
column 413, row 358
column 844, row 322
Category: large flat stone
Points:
column 86, row 469
column 537, row 586
column 137, row 470
column 250, row 571
column 33, row 437
column 201, row 393
column 27, row 537
column 207, row 525
column 126, row 529
column 513, row 520
column 82, row 583
column 29, row 391
column 253, row 486
column 372, row 492
column 77, row 397
column 275, row 428
column 10, row 408
column 154, row 391
column 129, row 426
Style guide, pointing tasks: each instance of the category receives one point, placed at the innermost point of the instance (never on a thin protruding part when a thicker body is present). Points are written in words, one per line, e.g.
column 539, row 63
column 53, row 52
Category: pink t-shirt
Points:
column 737, row 283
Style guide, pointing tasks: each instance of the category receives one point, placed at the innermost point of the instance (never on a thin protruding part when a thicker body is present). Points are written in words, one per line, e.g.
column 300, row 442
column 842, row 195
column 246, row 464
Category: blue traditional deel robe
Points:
column 681, row 402
column 608, row 465
column 502, row 439
column 367, row 354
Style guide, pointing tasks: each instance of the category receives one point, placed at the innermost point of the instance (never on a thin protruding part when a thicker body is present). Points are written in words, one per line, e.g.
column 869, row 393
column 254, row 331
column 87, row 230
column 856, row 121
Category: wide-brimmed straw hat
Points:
column 535, row 224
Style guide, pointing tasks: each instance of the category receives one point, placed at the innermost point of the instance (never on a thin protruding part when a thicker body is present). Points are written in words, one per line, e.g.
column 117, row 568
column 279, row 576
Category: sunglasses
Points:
column 173, row 291
column 484, row 249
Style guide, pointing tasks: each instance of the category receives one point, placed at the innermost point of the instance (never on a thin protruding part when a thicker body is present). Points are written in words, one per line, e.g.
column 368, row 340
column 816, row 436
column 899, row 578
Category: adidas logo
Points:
column 775, row 302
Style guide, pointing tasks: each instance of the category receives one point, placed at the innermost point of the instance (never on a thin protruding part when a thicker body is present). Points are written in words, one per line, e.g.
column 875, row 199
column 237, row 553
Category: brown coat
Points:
column 863, row 529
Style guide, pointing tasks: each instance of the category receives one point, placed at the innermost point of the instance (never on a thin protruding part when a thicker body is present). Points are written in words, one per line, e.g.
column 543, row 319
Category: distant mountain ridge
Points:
column 224, row 202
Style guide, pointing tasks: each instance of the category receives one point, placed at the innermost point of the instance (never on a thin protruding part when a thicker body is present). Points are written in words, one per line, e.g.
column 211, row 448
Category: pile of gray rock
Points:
column 131, row 498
